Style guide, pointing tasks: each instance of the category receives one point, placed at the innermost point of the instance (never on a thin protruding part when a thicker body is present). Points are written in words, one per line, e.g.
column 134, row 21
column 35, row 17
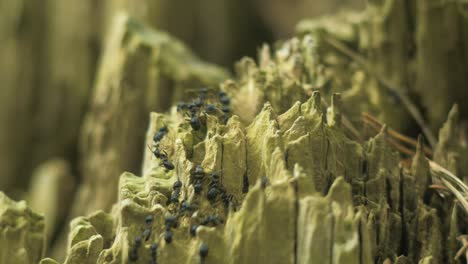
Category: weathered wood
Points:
column 141, row 70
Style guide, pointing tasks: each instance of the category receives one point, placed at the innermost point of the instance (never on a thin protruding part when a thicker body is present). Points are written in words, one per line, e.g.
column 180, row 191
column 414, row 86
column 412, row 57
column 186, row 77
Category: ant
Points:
column 210, row 108
column 166, row 163
column 211, row 219
column 224, row 98
column 146, row 234
column 195, row 122
column 215, row 187
column 160, row 134
column 182, row 106
column 264, row 182
column 149, row 219
column 168, row 236
column 203, row 253
column 193, row 230
column 171, row 222
column 193, row 117
column 197, row 186
column 225, row 101
column 225, row 109
column 229, row 200
column 185, row 206
column 154, row 253
column 214, row 179
column 158, row 153
column 198, row 172
column 175, row 194
column 212, row 193
column 133, row 255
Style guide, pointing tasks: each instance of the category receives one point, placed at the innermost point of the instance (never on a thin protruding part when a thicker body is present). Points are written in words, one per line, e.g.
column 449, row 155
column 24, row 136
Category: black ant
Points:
column 175, row 196
column 203, row 252
column 198, row 172
column 185, row 206
column 211, row 219
column 212, row 193
column 149, row 219
column 193, row 230
column 160, row 134
column 193, row 108
column 215, row 187
column 228, row 200
column 158, row 153
column 168, row 236
column 154, row 253
column 245, row 184
column 195, row 122
column 182, row 107
column 133, row 255
column 177, row 185
column 224, row 100
column 171, row 222
column 214, row 179
column 264, row 182
column 210, row 109
column 166, row 163
column 197, row 186
column 146, row 234
column 225, row 109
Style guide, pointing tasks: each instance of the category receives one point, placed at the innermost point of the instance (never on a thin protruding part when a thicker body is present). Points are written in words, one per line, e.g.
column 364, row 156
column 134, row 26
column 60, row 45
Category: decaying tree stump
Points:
column 268, row 165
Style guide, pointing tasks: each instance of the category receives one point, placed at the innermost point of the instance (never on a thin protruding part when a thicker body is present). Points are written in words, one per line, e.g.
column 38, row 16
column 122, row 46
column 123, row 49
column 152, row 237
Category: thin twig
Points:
column 400, row 147
column 464, row 249
column 457, row 194
column 446, row 177
column 411, row 107
column 439, row 187
column 374, row 123
column 436, row 167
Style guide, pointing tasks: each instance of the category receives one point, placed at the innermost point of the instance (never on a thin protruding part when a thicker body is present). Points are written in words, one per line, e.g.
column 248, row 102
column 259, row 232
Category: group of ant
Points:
column 215, row 186
column 161, row 154
column 201, row 106
column 133, row 254
column 215, row 190
column 170, row 222
column 195, row 109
